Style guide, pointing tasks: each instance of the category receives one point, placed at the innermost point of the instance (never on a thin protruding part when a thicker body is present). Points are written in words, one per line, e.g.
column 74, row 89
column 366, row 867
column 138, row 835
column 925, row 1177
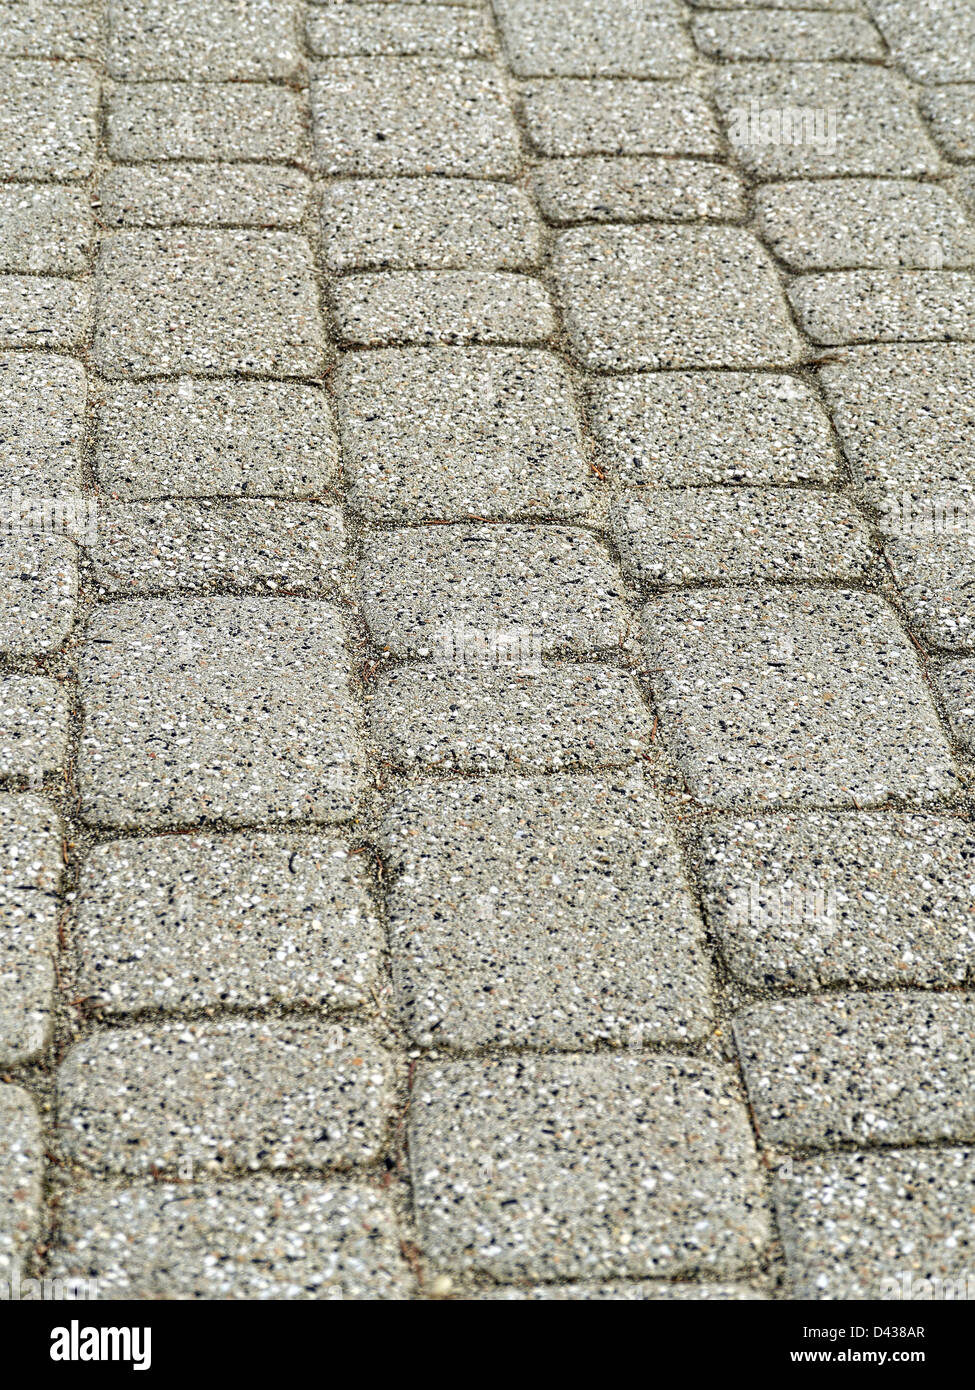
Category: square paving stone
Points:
column 790, row 37
column 401, row 30
column 450, row 435
column 48, row 29
column 423, row 590
column 494, row 717
column 44, row 228
column 212, row 439
column 905, row 415
column 38, row 311
column 228, row 195
column 811, row 120
column 210, row 302
column 255, row 1240
column 265, row 547
column 860, row 1068
column 229, row 709
column 33, row 726
column 668, row 536
column 690, row 428
column 47, row 120
column 205, row 120
column 865, row 223
column 584, row 1167
column 767, row 697
column 442, row 306
column 31, row 866
column 428, row 224
column 933, row 565
column 237, row 1094
column 21, row 1176
column 932, row 40
column 38, row 592
column 955, row 684
column 894, row 1225
column 951, row 112
column 413, row 116
column 178, row 922
column 600, row 188
column 862, row 899
column 887, row 306
column 42, row 424
column 568, row 117
column 593, row 38
column 546, row 913
column 637, row 299
column 215, row 40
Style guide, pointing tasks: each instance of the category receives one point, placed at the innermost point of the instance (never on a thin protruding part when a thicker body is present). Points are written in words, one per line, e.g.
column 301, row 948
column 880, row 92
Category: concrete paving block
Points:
column 601, row 188
column 813, row 120
column 215, row 40
column 185, row 547
column 399, row 30
column 564, row 116
column 38, row 592
column 21, row 1172
column 40, row 311
column 678, row 429
column 215, row 439
column 179, row 923
column 895, row 1225
column 42, row 423
column 932, row 40
column 686, row 536
column 905, row 416
column 380, row 116
column 478, row 434
column 49, row 29
column 864, row 223
column 31, row 866
column 641, row 299
column 951, row 114
column 441, row 307
column 233, row 709
column 593, row 38
column 44, row 229
column 259, row 1239
column 584, row 1167
column 205, row 121
column 767, row 697
column 859, row 899
column 491, row 717
column 428, row 224
column 223, row 1096
column 861, row 1069
column 542, row 913
column 206, row 195
column 209, row 302
column 886, row 306
column 792, row 36
column 551, row 589
column 47, row 119
column 34, row 717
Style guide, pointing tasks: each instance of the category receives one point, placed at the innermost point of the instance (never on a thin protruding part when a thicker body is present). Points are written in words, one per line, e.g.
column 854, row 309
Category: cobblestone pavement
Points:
column 488, row 687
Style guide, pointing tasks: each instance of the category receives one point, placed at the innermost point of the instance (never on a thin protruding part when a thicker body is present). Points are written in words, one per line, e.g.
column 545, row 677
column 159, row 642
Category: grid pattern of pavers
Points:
column 487, row 648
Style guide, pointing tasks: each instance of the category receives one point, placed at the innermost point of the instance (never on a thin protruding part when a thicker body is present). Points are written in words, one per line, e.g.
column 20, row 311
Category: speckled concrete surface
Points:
column 487, row 673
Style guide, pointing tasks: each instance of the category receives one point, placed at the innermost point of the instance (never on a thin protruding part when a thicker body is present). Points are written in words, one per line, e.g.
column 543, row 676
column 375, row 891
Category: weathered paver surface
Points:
column 487, row 649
